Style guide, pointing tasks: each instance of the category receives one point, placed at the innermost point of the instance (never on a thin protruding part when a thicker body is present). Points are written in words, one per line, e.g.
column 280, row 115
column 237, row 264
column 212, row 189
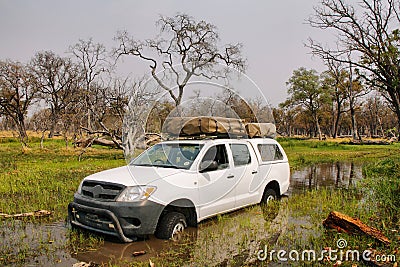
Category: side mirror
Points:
column 208, row 165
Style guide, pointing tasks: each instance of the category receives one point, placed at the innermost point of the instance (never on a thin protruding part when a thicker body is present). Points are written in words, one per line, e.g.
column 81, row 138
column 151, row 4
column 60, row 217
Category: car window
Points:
column 270, row 152
column 241, row 154
column 217, row 153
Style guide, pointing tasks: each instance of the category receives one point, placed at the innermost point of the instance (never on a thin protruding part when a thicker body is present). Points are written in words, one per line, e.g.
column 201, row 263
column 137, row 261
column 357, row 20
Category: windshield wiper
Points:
column 143, row 165
column 157, row 165
column 167, row 166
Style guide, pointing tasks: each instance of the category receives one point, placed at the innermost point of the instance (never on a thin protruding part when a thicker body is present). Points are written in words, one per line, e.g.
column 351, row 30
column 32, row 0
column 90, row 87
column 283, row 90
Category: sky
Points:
column 273, row 33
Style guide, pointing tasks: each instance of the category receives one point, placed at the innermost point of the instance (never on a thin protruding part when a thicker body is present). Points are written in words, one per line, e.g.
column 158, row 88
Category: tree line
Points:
column 333, row 103
column 78, row 92
column 359, row 94
column 81, row 93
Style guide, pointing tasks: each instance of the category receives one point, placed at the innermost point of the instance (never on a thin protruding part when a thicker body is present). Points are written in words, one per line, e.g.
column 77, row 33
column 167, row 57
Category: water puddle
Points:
column 214, row 242
column 326, row 175
column 29, row 244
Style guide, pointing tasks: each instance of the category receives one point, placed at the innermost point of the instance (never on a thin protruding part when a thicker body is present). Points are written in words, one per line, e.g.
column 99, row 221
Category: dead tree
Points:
column 59, row 81
column 371, row 34
column 18, row 90
column 93, row 59
column 345, row 223
column 184, row 49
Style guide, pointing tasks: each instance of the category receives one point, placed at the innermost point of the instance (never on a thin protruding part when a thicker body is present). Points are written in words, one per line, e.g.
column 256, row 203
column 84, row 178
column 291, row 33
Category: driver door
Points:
column 217, row 186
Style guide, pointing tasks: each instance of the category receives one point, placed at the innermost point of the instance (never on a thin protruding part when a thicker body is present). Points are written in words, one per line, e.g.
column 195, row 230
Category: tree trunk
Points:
column 345, row 223
column 54, row 119
column 398, row 120
column 20, row 122
column 318, row 127
column 354, row 132
column 66, row 140
column 52, row 128
column 41, row 139
column 337, row 120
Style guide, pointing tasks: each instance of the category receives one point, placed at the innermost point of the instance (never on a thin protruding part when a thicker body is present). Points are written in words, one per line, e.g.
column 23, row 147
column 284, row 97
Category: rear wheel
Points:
column 269, row 195
column 171, row 226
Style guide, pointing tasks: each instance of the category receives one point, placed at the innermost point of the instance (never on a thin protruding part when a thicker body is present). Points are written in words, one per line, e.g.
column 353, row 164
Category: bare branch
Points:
column 184, row 48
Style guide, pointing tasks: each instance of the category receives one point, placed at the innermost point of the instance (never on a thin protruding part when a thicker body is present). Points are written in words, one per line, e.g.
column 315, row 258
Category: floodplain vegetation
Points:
column 36, row 178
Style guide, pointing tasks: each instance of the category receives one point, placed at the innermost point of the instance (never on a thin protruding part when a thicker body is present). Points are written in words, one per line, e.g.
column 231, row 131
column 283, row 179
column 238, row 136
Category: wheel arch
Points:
column 274, row 185
column 184, row 206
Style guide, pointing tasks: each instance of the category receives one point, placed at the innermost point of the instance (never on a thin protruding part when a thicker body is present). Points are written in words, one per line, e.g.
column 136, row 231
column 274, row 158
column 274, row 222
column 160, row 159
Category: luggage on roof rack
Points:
column 192, row 126
column 264, row 130
column 216, row 127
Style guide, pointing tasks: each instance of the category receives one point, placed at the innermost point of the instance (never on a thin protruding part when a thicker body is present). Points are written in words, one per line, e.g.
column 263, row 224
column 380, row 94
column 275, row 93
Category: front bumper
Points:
column 121, row 219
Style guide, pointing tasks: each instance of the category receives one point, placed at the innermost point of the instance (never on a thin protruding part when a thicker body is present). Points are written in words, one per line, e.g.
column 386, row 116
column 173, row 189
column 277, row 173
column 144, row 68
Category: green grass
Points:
column 382, row 191
column 375, row 201
column 306, row 152
column 35, row 178
column 47, row 178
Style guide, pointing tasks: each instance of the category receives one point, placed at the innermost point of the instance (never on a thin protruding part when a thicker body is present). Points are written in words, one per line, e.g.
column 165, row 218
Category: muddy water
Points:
column 327, row 175
column 213, row 242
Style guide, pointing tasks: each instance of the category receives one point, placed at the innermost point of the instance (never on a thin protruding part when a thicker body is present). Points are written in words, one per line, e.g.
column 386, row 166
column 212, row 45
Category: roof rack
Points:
column 216, row 127
column 207, row 137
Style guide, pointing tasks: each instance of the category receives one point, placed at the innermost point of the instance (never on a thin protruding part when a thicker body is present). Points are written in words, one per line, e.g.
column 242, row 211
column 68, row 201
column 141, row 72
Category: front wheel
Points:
column 171, row 226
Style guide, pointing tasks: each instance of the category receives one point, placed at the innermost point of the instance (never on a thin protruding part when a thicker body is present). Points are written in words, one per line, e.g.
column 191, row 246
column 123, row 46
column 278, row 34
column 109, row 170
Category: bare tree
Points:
column 371, row 32
column 375, row 112
column 334, row 81
column 184, row 48
column 141, row 103
column 18, row 90
column 92, row 57
column 354, row 90
column 111, row 105
column 39, row 122
column 59, row 84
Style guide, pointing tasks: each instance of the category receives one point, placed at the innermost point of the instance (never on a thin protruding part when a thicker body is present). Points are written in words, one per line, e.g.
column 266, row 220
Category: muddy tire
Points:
column 171, row 225
column 269, row 195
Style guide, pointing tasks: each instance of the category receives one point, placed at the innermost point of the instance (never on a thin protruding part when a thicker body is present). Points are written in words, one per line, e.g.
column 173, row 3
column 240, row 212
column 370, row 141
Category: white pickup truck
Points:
column 179, row 183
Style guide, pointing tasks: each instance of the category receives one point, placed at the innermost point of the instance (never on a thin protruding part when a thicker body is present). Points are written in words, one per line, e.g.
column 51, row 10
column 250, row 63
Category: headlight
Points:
column 136, row 193
column 79, row 191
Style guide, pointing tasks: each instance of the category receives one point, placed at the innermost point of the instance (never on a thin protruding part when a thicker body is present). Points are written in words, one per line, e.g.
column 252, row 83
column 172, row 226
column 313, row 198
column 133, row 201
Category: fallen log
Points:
column 85, row 264
column 34, row 214
column 87, row 142
column 138, row 253
column 104, row 142
column 367, row 142
column 347, row 224
column 84, row 142
column 152, row 139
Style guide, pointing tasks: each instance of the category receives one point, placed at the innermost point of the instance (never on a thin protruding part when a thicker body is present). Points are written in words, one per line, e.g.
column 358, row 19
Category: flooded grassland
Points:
column 326, row 176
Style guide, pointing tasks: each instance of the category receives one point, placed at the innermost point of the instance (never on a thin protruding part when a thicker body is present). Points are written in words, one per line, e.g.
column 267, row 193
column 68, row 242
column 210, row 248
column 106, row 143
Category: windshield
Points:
column 179, row 156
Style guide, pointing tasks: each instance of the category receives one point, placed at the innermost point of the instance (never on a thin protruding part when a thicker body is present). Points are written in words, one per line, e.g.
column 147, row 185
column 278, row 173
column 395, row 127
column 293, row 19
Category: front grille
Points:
column 101, row 190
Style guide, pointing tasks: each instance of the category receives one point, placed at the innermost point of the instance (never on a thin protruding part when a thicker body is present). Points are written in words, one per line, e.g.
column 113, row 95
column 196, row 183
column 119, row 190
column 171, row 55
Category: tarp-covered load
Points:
column 192, row 126
column 267, row 130
column 216, row 126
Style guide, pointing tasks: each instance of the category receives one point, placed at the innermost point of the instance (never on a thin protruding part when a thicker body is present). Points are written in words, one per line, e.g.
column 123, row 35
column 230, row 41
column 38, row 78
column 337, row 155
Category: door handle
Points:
column 254, row 172
column 230, row 176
